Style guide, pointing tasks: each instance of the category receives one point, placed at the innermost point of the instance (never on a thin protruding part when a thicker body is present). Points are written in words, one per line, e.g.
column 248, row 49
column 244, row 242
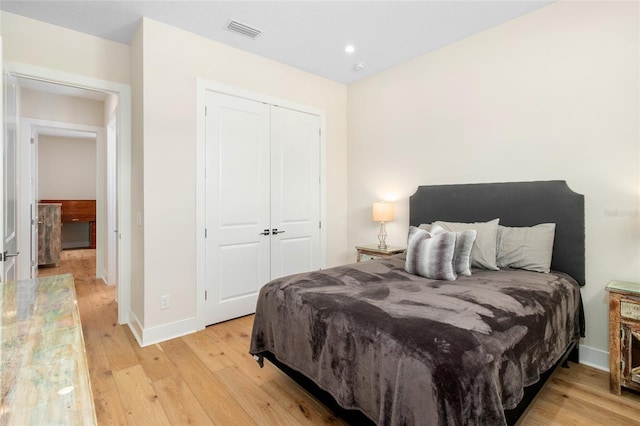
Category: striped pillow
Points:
column 462, row 253
column 430, row 256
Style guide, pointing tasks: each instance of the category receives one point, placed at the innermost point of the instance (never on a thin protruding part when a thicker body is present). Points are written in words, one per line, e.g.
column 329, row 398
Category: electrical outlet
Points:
column 164, row 301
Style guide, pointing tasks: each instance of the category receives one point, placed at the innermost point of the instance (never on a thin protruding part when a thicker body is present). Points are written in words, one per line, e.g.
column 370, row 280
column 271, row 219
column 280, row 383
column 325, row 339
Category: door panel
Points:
column 34, row 203
column 297, row 255
column 237, row 205
column 234, row 268
column 10, row 204
column 295, row 192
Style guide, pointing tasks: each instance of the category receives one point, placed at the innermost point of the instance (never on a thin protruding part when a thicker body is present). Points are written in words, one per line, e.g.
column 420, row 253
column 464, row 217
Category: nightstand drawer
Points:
column 630, row 310
column 364, row 257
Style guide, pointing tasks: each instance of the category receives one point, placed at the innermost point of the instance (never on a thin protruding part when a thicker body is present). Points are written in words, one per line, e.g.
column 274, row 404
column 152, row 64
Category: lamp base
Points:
column 382, row 236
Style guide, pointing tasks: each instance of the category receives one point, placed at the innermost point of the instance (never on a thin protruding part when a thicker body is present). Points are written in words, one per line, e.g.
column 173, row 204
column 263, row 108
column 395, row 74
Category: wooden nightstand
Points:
column 372, row 251
column 624, row 336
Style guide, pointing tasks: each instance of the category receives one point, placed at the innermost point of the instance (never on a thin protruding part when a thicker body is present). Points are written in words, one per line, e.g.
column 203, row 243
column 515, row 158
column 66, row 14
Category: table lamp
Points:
column 382, row 212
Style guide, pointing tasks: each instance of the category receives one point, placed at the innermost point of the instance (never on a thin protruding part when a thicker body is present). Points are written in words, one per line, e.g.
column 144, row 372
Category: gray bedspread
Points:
column 408, row 350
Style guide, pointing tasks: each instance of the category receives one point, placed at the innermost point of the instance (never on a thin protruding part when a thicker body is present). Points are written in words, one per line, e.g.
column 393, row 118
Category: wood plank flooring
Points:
column 208, row 378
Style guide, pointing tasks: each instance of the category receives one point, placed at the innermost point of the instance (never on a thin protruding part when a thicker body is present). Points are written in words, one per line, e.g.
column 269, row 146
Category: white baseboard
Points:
column 595, row 358
column 135, row 327
column 150, row 336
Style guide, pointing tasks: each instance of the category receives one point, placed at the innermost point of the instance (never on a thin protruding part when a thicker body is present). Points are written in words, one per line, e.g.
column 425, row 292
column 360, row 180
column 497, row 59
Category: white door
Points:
column 33, row 203
column 237, row 205
column 295, row 192
column 9, row 184
column 112, row 203
column 2, row 134
column 262, row 200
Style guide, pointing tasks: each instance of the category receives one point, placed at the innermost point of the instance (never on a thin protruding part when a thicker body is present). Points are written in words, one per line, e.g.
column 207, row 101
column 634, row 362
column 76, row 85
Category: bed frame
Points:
column 516, row 204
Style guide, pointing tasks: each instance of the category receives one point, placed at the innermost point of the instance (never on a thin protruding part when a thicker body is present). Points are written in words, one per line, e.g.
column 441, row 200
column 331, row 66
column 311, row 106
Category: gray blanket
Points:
column 408, row 350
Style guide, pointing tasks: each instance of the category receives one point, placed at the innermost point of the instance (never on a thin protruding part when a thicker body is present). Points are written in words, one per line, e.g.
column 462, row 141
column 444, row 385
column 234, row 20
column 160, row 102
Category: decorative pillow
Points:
column 425, row 226
column 483, row 254
column 430, row 256
column 462, row 252
column 527, row 248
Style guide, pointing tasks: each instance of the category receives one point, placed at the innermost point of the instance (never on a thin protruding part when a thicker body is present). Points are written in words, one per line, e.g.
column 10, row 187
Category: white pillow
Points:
column 430, row 256
column 483, row 254
column 529, row 248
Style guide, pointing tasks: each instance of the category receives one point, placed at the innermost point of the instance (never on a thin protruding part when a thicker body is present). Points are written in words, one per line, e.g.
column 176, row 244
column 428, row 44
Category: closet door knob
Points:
column 265, row 232
column 275, row 231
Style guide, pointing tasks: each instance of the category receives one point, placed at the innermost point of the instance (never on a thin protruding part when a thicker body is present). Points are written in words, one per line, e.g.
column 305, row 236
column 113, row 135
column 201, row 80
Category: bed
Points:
column 405, row 349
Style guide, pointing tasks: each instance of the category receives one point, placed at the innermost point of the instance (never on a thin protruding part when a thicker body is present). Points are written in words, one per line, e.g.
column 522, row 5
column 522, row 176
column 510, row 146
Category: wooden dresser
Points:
column 74, row 211
column 49, row 233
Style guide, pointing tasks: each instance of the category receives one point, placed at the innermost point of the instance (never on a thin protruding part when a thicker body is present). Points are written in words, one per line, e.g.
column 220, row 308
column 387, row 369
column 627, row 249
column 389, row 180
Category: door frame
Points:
column 123, row 91
column 202, row 87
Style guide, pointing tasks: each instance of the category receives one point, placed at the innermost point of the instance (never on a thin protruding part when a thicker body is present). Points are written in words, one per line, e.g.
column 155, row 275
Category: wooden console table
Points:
column 74, row 211
column 44, row 376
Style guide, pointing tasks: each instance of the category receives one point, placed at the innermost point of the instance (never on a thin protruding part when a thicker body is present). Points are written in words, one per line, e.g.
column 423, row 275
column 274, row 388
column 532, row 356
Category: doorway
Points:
column 59, row 163
column 122, row 93
column 63, row 147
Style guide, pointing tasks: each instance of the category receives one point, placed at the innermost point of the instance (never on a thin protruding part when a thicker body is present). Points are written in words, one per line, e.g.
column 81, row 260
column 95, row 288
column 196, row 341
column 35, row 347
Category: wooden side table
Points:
column 369, row 252
column 624, row 336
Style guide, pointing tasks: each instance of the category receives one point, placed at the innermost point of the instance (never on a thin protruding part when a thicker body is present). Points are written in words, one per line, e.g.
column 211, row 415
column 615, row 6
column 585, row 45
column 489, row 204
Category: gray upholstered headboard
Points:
column 516, row 204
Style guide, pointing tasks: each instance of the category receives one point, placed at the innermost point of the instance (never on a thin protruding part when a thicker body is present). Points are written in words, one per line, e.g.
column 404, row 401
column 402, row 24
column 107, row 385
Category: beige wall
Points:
column 66, row 109
column 173, row 60
column 67, row 171
column 550, row 95
column 36, row 43
column 66, row 168
column 137, row 178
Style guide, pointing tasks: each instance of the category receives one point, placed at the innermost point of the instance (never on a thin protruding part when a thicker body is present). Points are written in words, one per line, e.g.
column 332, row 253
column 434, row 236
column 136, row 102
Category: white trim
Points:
column 2, row 124
column 136, row 327
column 202, row 86
column 595, row 358
column 123, row 91
column 161, row 333
column 68, row 128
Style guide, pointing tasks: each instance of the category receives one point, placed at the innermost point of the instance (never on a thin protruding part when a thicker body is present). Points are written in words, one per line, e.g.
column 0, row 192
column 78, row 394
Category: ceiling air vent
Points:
column 243, row 29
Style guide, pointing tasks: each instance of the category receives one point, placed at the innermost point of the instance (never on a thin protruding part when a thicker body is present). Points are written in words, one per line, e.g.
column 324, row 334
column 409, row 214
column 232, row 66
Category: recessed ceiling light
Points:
column 350, row 48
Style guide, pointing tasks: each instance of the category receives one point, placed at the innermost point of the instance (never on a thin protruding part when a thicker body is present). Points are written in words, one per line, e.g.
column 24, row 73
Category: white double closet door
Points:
column 262, row 200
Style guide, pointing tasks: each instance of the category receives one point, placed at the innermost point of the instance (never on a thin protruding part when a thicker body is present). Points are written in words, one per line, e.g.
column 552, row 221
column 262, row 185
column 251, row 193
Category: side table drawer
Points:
column 364, row 257
column 630, row 310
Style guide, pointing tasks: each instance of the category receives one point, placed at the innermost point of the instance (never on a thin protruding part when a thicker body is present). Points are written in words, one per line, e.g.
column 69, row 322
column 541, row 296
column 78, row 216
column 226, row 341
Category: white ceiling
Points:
column 309, row 35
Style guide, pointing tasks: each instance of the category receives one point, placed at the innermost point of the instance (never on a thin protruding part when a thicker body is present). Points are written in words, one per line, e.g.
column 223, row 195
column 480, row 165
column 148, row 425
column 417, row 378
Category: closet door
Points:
column 295, row 192
column 237, row 205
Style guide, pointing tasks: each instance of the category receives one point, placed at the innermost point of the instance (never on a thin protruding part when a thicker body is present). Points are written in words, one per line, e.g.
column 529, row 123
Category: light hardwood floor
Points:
column 209, row 378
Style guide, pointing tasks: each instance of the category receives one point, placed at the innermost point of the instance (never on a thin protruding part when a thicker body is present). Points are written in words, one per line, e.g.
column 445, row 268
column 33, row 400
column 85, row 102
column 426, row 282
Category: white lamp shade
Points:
column 382, row 212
